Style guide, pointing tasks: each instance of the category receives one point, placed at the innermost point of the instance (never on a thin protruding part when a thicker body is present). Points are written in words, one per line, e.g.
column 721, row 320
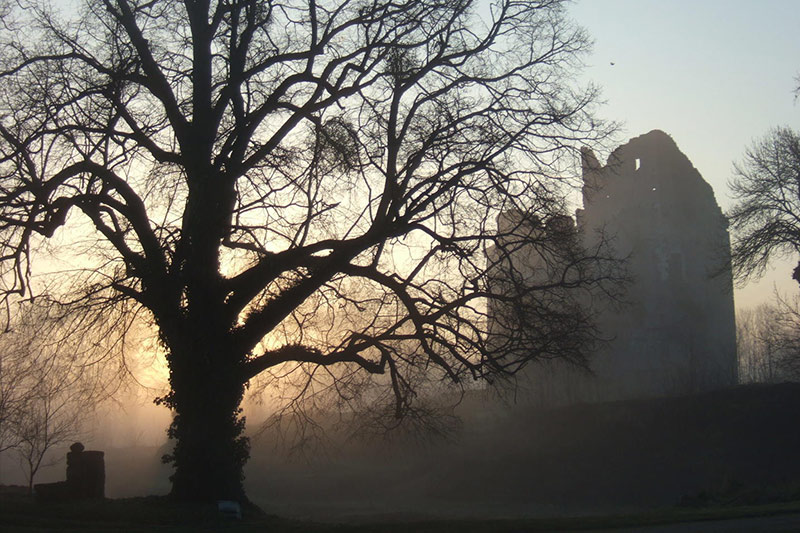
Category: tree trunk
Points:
column 210, row 451
column 31, row 475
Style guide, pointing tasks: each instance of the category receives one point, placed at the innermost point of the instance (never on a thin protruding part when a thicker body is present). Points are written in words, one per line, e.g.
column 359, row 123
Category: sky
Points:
column 714, row 74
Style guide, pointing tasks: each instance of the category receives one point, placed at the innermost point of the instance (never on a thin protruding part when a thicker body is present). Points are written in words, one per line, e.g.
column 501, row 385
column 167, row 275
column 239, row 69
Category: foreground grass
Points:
column 19, row 514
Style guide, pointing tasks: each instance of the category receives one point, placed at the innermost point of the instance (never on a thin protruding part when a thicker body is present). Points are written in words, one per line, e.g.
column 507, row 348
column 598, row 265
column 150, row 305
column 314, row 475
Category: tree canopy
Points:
column 308, row 187
column 766, row 218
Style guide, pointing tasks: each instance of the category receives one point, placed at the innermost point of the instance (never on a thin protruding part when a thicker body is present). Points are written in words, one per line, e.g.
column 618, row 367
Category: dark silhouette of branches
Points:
column 766, row 219
column 298, row 189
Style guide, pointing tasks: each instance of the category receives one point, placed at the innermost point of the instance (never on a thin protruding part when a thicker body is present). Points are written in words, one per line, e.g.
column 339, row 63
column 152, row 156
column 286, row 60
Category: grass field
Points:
column 20, row 514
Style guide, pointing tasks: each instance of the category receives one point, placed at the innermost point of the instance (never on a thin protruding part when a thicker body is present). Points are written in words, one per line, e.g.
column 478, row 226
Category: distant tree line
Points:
column 768, row 342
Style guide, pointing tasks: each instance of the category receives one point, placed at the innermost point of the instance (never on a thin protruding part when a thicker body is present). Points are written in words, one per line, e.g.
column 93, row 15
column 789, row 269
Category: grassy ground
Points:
column 19, row 514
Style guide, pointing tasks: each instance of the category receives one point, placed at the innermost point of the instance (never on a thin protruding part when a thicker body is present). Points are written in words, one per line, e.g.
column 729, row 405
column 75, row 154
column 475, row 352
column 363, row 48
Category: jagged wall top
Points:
column 649, row 162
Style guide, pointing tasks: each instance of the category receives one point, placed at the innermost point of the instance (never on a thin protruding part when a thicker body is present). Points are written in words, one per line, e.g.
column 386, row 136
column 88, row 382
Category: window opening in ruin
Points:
column 638, row 164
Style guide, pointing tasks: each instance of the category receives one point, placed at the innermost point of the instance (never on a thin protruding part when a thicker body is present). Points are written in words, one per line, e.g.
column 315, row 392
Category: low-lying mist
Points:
column 524, row 461
column 502, row 461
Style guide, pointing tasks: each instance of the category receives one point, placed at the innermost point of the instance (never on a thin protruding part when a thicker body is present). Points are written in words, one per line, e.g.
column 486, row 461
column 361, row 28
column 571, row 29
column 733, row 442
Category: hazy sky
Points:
column 714, row 74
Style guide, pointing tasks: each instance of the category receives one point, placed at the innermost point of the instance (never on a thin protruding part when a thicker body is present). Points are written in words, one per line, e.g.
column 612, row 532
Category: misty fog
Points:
column 509, row 460
column 367, row 261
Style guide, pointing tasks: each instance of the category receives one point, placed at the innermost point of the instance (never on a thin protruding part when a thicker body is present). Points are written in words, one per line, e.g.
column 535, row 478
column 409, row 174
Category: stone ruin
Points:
column 675, row 331
column 86, row 477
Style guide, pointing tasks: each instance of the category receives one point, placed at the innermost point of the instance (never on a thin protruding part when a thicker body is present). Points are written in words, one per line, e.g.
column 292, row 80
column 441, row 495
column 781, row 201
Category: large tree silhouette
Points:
column 307, row 185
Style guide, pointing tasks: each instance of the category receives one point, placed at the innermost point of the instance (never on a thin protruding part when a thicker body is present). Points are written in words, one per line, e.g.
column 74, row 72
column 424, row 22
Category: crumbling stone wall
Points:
column 676, row 332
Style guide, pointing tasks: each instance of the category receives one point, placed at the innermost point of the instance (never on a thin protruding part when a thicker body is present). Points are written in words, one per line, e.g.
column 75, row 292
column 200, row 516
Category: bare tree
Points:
column 52, row 418
column 757, row 344
column 16, row 367
column 306, row 189
column 51, row 383
column 768, row 342
column 788, row 326
column 12, row 399
column 766, row 219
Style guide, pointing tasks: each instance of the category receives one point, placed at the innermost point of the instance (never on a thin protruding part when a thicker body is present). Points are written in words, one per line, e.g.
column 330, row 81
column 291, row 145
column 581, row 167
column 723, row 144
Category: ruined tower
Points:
column 675, row 332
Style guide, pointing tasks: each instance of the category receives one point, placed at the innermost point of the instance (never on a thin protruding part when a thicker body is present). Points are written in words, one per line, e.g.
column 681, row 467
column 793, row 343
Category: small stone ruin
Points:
column 86, row 477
